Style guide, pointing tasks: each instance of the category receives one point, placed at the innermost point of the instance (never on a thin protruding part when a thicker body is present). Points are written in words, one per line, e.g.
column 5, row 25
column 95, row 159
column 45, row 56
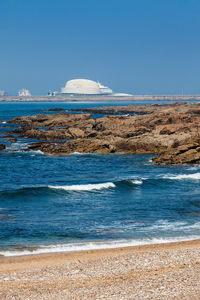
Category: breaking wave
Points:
column 92, row 245
column 21, row 148
column 16, row 147
column 129, row 183
column 83, row 187
column 137, row 181
column 195, row 176
column 75, row 187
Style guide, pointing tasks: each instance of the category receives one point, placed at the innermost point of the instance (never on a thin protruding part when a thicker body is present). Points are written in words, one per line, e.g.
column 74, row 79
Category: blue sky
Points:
column 133, row 46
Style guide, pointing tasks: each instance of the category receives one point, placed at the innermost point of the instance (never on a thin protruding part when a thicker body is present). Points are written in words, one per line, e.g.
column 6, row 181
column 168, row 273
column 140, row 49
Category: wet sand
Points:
column 161, row 271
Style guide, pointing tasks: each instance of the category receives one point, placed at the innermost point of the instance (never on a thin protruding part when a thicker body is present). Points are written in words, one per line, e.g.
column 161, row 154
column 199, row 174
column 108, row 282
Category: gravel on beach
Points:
column 163, row 271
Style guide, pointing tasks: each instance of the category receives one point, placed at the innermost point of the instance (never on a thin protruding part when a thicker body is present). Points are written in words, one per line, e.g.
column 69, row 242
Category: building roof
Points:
column 83, row 86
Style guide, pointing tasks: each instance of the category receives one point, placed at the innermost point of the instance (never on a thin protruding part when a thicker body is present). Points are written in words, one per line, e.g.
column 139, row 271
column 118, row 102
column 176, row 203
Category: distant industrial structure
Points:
column 2, row 93
column 52, row 93
column 85, row 87
column 75, row 88
column 24, row 93
column 89, row 90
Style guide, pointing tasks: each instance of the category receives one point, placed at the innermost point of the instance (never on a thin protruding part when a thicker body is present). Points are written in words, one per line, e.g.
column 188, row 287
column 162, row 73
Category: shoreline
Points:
column 155, row 271
column 99, row 251
column 92, row 246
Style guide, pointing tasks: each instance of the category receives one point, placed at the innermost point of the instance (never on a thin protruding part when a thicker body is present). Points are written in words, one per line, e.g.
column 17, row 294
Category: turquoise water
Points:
column 86, row 201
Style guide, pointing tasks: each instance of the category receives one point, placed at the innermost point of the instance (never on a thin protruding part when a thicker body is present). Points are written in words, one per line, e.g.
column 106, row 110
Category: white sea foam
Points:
column 195, row 167
column 73, row 247
column 83, row 187
column 35, row 152
column 21, row 147
column 77, row 153
column 195, row 176
column 137, row 182
column 3, row 122
column 163, row 226
column 80, row 153
column 83, row 153
column 17, row 147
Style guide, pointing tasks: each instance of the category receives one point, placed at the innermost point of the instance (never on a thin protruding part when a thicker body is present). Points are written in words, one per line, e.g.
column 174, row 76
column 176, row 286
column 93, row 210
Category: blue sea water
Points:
column 87, row 201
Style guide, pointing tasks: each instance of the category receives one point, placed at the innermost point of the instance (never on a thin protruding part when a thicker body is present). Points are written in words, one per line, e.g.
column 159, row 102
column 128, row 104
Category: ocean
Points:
column 90, row 201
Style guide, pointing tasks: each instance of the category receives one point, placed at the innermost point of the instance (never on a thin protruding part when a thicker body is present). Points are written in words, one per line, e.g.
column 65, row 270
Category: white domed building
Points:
column 85, row 87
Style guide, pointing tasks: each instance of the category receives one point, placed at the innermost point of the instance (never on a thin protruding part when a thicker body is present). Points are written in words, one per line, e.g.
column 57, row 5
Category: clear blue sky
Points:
column 136, row 46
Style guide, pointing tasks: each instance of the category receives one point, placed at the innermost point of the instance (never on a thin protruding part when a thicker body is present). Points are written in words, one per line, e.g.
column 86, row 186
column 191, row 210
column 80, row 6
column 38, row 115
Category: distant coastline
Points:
column 106, row 98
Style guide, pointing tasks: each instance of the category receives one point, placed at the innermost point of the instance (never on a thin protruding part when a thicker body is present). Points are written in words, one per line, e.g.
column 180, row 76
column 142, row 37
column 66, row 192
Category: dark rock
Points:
column 56, row 109
column 2, row 147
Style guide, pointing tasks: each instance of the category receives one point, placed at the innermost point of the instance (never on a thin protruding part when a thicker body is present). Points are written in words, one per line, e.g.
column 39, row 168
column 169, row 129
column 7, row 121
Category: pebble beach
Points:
column 160, row 271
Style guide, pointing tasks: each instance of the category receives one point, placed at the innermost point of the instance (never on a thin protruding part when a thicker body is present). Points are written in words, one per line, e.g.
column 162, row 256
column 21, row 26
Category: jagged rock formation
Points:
column 171, row 130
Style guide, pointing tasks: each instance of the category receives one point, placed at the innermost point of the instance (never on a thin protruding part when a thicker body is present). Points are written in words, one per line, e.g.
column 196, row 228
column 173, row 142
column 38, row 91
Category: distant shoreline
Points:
column 102, row 98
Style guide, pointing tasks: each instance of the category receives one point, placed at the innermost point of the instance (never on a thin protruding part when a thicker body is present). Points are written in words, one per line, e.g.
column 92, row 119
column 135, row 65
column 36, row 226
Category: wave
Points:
column 117, row 183
column 164, row 226
column 76, row 153
column 195, row 176
column 83, row 187
column 21, row 148
column 93, row 245
column 70, row 188
column 97, row 186
column 16, row 147
column 81, row 153
column 130, row 183
column 137, row 181
column 35, row 152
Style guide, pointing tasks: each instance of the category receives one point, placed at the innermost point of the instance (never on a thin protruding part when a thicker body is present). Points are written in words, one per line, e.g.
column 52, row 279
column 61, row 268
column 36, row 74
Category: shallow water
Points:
column 86, row 201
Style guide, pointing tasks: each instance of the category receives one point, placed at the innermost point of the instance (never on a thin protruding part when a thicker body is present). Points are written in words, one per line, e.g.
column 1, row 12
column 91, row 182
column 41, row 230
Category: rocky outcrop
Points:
column 56, row 109
column 189, row 152
column 142, row 109
column 78, row 145
column 171, row 130
column 2, row 147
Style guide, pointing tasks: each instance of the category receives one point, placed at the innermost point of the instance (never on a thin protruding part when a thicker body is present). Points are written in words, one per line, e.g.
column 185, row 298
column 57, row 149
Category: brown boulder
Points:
column 185, row 154
column 76, row 132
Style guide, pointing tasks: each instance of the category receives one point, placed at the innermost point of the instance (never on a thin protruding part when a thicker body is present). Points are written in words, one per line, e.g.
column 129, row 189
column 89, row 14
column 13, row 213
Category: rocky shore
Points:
column 169, row 130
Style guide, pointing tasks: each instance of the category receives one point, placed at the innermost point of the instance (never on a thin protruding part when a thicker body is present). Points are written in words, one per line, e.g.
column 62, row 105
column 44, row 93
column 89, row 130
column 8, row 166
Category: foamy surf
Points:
column 195, row 176
column 83, row 187
column 139, row 182
column 35, row 152
column 76, row 153
column 164, row 226
column 22, row 148
column 95, row 245
column 17, row 147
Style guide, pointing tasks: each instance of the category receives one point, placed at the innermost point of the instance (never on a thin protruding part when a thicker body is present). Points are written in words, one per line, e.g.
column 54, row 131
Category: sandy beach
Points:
column 161, row 271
